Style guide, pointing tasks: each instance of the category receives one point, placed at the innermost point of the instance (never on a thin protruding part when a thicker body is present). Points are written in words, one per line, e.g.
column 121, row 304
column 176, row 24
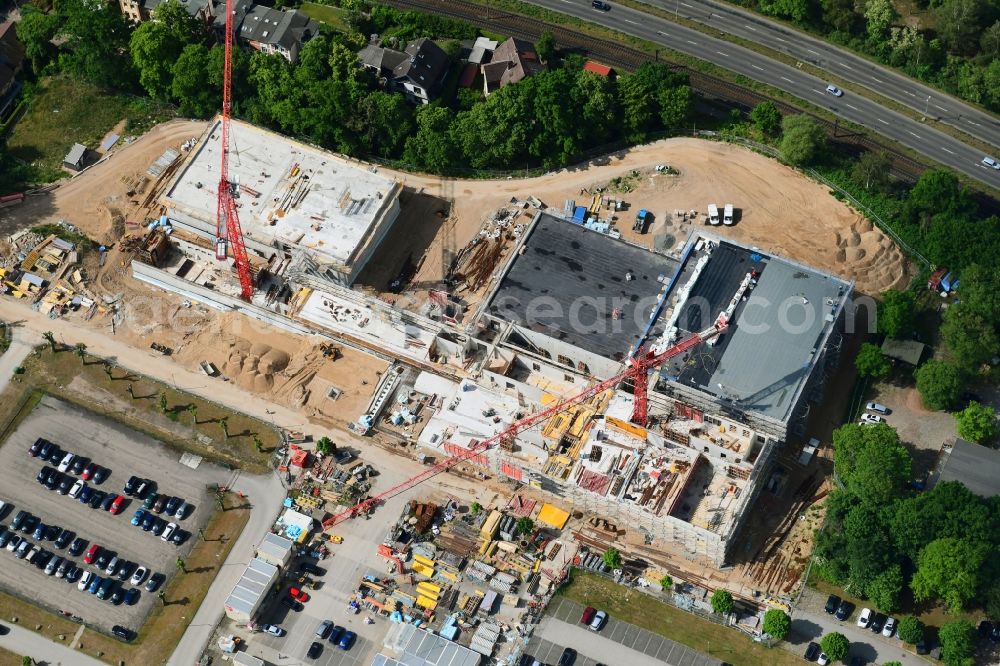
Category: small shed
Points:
column 75, row 157
column 906, row 351
column 599, row 69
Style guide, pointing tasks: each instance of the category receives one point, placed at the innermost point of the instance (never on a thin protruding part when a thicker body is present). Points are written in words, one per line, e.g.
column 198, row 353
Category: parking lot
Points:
column 124, row 452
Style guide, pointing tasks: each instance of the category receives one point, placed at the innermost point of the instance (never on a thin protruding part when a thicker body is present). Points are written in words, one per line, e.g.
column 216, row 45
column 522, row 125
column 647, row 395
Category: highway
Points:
column 841, row 63
column 918, row 136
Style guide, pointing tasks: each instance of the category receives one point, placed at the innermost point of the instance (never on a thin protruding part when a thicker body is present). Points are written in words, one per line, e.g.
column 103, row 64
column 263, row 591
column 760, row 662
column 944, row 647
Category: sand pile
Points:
column 253, row 366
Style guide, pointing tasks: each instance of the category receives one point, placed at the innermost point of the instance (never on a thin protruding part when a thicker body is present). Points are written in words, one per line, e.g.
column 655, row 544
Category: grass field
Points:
column 335, row 17
column 644, row 611
column 63, row 112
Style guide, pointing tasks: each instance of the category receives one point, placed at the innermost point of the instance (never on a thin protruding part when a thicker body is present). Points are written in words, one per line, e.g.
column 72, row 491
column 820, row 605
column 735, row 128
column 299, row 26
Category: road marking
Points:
column 852, row 107
column 877, row 80
column 630, row 21
column 756, row 67
column 787, row 79
column 813, row 52
column 940, row 107
column 973, row 123
column 660, row 32
column 845, row 65
column 912, row 134
column 909, row 93
column 722, row 54
column 779, row 39
column 687, row 5
column 946, row 150
column 881, row 121
column 690, row 42
column 750, row 27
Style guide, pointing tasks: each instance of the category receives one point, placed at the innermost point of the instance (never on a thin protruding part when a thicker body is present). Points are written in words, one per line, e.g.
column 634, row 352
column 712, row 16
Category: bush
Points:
column 958, row 643
column 722, row 602
column 871, row 362
column 911, row 630
column 939, row 384
column 777, row 623
column 835, row 646
column 977, row 423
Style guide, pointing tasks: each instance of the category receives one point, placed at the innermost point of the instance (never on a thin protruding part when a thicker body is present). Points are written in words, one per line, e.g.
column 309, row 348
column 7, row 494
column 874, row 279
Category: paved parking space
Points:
column 548, row 653
column 562, row 627
column 125, row 452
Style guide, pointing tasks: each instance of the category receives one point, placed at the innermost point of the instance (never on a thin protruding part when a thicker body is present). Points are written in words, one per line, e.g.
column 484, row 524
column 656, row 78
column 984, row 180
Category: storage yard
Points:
column 514, row 297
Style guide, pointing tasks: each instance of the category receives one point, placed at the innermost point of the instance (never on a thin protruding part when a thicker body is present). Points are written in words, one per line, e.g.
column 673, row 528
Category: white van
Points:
column 713, row 214
column 876, row 407
column 727, row 215
column 991, row 163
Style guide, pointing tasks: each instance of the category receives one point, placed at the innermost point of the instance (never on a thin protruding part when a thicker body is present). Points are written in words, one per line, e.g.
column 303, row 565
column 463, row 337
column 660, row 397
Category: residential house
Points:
column 512, row 61
column 418, row 71
column 257, row 27
column 11, row 62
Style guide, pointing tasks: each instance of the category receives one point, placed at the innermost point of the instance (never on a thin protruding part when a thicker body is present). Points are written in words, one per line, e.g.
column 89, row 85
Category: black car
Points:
column 568, row 657
column 55, row 454
column 600, row 4
column 103, row 558
column 144, row 488
column 117, row 595
column 844, row 610
column 53, row 532
column 43, row 474
column 55, row 478
column 124, row 570
column 108, row 501
column 97, row 498
column 154, row 582
column 101, row 474
column 159, row 525
column 172, row 504
column 19, row 519
column 995, row 634
column 85, row 494
column 40, row 531
column 877, row 623
column 130, row 485
column 64, row 538
column 310, row 568
column 315, row 650
column 291, row 603
column 64, row 485
column 36, row 448
column 42, row 559
column 29, row 523
column 79, row 463
column 46, row 449
column 122, row 633
column 5, row 536
column 77, row 546
column 148, row 521
column 831, row 604
column 179, row 536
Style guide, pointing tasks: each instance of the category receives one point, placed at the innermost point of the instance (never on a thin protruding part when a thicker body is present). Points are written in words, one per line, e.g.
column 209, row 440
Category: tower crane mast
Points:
column 228, row 233
column 637, row 371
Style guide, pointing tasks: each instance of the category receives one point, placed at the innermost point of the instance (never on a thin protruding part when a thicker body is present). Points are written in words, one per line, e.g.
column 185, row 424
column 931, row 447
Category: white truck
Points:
column 713, row 214
column 727, row 215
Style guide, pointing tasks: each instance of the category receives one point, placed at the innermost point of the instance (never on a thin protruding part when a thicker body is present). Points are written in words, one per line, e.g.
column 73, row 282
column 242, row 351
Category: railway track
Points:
column 628, row 58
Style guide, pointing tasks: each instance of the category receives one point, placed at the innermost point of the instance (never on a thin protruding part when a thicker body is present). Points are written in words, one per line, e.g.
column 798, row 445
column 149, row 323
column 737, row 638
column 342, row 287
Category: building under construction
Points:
column 564, row 305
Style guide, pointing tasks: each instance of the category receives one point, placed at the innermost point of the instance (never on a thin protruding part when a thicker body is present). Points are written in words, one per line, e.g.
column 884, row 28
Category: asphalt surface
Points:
column 840, row 62
column 125, row 452
column 29, row 644
column 920, row 137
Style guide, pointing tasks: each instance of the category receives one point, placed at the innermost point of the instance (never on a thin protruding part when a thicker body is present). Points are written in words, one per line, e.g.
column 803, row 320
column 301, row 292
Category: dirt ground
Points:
column 777, row 208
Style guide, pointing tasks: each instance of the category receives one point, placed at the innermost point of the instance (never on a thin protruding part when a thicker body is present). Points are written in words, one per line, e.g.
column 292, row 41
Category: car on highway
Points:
column 601, row 5
column 315, row 650
column 154, row 582
column 991, row 163
column 273, row 629
column 865, row 618
column 347, row 640
column 871, row 418
column 85, row 580
column 834, row 90
column 599, row 618
column 890, row 627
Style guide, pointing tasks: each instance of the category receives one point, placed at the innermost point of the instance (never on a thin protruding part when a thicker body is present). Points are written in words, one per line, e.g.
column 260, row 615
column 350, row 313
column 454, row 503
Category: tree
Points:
column 959, row 23
column 872, row 462
column 840, row 15
column 871, row 171
column 80, row 349
column 36, row 30
column 545, row 47
column 958, row 642
column 971, row 338
column 940, row 190
column 51, row 339
column 803, row 140
column 797, row 10
column 163, row 402
column 911, row 630
column 777, row 623
column 193, row 411
column 475, row 508
column 612, row 558
column 835, row 646
column 224, row 424
column 324, row 445
column 431, row 146
column 989, row 42
column 977, row 423
column 27, row 661
column 676, row 106
column 949, row 569
column 939, row 384
column 879, row 17
column 257, row 444
column 896, row 313
column 992, row 602
column 181, row 566
column 722, row 602
column 525, row 525
column 666, row 583
column 95, row 46
column 766, row 118
column 155, row 50
column 190, row 85
column 886, row 588
column 386, row 120
column 949, row 509
column 871, row 362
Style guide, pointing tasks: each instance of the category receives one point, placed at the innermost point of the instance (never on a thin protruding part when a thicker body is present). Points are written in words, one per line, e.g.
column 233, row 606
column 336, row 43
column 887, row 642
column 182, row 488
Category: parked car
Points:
column 844, row 610
column 85, row 494
column 30, row 523
column 52, row 565
column 598, row 621
column 88, row 472
column 147, row 521
column 52, row 532
column 40, row 531
column 832, row 602
column 877, row 407
column 336, row 633
column 122, row 633
column 97, row 498
column 295, row 593
column 138, row 516
column 273, row 629
column 170, row 508
column 291, row 603
column 79, row 464
column 179, row 536
column 130, row 485
column 35, row 448
column 865, row 618
column 117, row 594
column 101, row 474
column 132, row 596
column 65, row 484
column 64, row 567
column 112, row 566
column 823, row 660
column 85, row 580
column 66, row 461
column 159, row 525
column 92, row 554
column 871, row 418
column 23, row 548
column 347, row 640
column 324, row 628
column 154, row 582
column 64, row 538
column 812, row 651
column 890, row 627
column 104, row 591
column 144, row 488
column 77, row 547
column 14, row 542
column 159, row 503
column 55, row 478
column 168, row 531
column 19, row 519
column 568, row 657
column 878, row 621
column 95, row 584
column 588, row 615
column 117, row 505
column 74, row 492
column 315, row 650
column 107, row 502
column 5, row 536
column 182, row 510
column 139, row 576
column 124, row 570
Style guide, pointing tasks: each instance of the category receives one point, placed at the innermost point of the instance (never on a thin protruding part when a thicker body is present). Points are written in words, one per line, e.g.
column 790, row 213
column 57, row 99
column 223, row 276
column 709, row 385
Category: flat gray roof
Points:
column 975, row 466
column 569, row 280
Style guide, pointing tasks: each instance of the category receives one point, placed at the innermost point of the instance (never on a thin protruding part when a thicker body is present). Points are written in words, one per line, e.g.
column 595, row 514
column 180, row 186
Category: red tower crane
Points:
column 637, row 371
column 228, row 233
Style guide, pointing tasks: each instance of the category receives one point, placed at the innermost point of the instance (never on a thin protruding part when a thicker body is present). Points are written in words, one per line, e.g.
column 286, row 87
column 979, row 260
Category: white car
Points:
column 77, row 487
column 890, row 627
column 66, row 462
column 823, row 659
column 85, row 580
column 169, row 531
column 877, row 407
column 871, row 418
column 834, row 90
column 991, row 163
column 139, row 576
column 865, row 618
column 273, row 629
